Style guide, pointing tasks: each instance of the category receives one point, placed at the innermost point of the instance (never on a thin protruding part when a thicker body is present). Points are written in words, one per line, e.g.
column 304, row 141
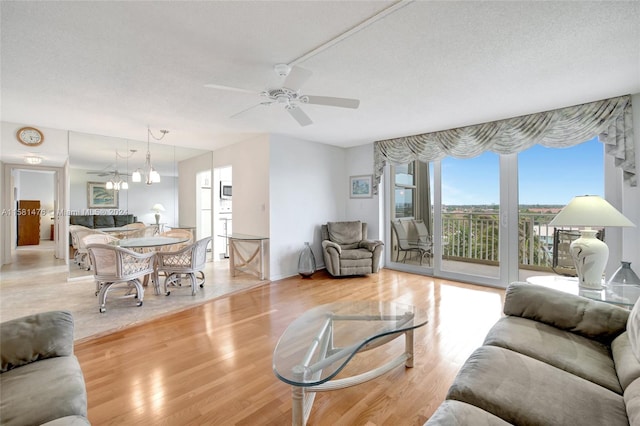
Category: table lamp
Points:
column 157, row 208
column 588, row 252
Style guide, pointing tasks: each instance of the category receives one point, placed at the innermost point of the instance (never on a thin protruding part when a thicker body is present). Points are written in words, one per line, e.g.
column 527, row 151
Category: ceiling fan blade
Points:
column 296, row 78
column 330, row 101
column 251, row 107
column 300, row 116
column 233, row 89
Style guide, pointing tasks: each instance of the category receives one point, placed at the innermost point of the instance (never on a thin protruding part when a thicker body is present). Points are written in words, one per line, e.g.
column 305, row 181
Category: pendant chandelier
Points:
column 151, row 175
column 117, row 182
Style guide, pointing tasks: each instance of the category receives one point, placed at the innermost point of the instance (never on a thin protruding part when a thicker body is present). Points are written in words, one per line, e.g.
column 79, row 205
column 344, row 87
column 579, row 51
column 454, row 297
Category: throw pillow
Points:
column 633, row 329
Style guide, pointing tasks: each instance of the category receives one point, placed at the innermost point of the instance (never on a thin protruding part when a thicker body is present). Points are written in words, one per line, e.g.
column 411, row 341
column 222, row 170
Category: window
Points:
column 405, row 187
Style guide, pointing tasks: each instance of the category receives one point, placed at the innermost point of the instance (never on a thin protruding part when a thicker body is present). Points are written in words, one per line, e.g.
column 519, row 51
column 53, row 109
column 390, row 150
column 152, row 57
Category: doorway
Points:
column 35, row 182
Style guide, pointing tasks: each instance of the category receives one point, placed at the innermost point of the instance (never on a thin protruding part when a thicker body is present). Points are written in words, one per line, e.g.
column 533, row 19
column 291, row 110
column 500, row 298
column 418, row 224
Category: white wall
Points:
column 359, row 161
column 36, row 185
column 250, row 168
column 188, row 187
column 308, row 187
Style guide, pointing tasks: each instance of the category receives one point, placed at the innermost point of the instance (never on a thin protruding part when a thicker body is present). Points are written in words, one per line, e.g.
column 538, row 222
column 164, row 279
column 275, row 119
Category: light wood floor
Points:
column 211, row 365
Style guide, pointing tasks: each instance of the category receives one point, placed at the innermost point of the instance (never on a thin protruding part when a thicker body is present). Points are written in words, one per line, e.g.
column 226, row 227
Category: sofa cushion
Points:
column 632, row 401
column 356, row 254
column 596, row 320
column 123, row 219
column 83, row 220
column 456, row 413
column 347, row 234
column 36, row 337
column 627, row 366
column 524, row 391
column 633, row 328
column 69, row 421
column 568, row 351
column 104, row 221
column 43, row 391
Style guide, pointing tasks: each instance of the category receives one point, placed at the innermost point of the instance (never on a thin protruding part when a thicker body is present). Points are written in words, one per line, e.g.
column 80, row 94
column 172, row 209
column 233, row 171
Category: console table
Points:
column 247, row 253
column 617, row 294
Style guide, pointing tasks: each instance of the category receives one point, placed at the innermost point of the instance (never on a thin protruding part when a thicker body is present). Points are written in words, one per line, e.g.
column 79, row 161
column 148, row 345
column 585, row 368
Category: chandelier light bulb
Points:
column 136, row 176
column 109, row 185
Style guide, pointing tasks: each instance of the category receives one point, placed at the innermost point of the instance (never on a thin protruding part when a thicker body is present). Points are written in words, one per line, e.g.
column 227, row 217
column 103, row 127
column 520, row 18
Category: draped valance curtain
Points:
column 609, row 119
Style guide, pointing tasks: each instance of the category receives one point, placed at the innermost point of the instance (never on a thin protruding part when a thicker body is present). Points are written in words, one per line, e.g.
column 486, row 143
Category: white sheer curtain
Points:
column 609, row 119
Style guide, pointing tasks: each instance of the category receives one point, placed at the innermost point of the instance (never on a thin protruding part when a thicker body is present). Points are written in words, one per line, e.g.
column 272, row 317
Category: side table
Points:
column 622, row 295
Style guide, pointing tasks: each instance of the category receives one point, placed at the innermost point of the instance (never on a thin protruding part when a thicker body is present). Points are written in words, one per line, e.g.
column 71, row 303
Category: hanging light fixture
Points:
column 151, row 175
column 117, row 182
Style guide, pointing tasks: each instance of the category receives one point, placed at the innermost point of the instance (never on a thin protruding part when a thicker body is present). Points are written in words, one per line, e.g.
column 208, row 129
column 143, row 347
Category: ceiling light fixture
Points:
column 150, row 174
column 32, row 159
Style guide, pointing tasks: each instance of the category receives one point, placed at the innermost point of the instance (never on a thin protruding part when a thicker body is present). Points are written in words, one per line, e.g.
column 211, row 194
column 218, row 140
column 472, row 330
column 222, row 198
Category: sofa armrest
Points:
column 34, row 337
column 370, row 244
column 327, row 243
column 596, row 320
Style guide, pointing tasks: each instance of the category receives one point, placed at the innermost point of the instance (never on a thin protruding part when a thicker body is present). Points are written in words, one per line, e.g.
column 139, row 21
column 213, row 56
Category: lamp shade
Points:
column 158, row 207
column 590, row 210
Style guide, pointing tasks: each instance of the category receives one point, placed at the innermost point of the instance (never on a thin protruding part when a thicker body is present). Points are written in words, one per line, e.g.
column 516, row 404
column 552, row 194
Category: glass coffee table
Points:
column 320, row 343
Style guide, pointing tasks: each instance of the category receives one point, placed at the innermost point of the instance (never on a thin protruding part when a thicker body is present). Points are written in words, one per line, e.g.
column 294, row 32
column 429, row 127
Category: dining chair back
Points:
column 114, row 265
column 188, row 261
column 82, row 257
column 73, row 230
column 177, row 233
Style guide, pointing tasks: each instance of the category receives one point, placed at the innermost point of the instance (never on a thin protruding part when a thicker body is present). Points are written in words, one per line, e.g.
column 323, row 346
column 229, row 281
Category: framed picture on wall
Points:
column 360, row 186
column 98, row 196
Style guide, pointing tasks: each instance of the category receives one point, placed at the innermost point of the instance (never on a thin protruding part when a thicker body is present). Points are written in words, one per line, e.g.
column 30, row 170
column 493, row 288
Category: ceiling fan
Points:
column 289, row 94
column 105, row 172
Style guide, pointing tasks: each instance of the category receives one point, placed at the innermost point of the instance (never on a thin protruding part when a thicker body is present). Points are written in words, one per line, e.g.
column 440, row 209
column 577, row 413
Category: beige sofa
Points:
column 554, row 359
column 41, row 381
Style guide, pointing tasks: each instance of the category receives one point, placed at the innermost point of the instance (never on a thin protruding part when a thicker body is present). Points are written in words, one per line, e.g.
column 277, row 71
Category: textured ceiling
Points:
column 111, row 68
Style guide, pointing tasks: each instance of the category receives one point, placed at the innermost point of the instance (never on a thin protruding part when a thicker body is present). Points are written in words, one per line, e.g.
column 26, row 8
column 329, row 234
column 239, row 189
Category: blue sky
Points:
column 546, row 175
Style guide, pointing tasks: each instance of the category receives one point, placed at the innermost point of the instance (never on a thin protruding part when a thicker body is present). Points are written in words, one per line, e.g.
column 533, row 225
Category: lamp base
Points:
column 157, row 219
column 590, row 257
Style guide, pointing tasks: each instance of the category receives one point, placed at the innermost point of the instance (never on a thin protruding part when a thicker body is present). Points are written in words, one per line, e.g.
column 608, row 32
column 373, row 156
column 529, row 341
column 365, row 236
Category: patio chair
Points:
column 114, row 265
column 187, row 261
column 424, row 238
column 406, row 246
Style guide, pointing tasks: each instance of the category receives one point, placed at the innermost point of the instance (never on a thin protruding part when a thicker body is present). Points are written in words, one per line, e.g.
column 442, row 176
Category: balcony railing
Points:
column 474, row 237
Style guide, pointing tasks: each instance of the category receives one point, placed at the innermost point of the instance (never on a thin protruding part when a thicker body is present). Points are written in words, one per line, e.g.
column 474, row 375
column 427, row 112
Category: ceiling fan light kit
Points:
column 289, row 94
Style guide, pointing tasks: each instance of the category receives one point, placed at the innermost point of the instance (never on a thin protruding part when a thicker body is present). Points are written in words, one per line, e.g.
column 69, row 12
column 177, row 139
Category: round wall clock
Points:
column 30, row 136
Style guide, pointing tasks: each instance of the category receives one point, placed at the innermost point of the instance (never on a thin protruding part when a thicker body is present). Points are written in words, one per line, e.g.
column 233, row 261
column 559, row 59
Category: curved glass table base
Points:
column 321, row 342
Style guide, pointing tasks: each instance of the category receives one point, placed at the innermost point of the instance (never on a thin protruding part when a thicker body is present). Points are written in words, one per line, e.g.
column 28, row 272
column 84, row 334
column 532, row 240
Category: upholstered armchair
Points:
column 347, row 251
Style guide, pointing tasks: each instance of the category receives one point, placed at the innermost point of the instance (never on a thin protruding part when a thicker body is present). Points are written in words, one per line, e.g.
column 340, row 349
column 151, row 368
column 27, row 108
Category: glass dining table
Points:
column 146, row 244
column 149, row 242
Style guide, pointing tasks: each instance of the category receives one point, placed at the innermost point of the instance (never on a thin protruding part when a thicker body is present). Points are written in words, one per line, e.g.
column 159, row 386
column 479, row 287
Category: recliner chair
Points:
column 347, row 251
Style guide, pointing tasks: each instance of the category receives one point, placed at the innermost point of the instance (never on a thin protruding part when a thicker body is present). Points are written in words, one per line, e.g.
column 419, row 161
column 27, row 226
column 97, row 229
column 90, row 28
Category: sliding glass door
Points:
column 487, row 216
column 470, row 211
